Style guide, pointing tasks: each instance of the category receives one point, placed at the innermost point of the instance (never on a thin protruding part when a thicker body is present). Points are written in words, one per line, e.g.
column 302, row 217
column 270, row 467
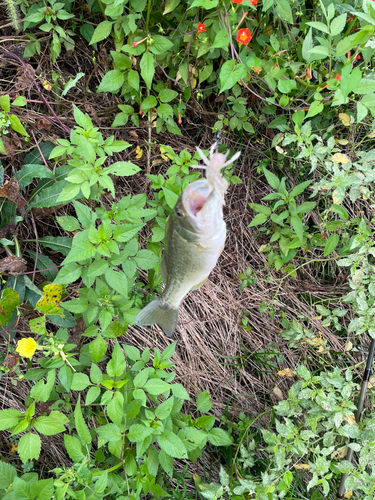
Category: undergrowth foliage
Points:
column 309, row 67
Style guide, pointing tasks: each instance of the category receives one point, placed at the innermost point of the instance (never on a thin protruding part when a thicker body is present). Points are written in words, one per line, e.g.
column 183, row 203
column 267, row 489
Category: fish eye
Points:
column 179, row 213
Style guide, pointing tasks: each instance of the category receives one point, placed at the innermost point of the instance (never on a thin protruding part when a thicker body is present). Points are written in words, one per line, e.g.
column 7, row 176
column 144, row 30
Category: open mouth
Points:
column 195, row 198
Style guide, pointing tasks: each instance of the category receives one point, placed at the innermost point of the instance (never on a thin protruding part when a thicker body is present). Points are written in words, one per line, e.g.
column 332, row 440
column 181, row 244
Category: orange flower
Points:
column 179, row 118
column 338, row 77
column 309, row 73
column 201, row 28
column 253, row 2
column 257, row 69
column 244, row 36
column 348, row 55
column 237, row 1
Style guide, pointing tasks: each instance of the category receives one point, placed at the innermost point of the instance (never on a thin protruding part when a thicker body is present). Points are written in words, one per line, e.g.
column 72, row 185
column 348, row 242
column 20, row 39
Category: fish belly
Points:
column 188, row 264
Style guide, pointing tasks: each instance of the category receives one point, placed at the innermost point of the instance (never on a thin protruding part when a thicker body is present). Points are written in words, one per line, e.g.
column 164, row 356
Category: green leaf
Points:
column 21, row 489
column 272, row 180
column 203, row 403
column 147, row 66
column 284, row 10
column 92, row 395
column 300, row 188
column 109, row 433
column 138, row 432
column 319, row 26
column 60, row 244
column 51, row 424
column 365, row 86
column 9, row 301
column 123, row 168
column 115, row 408
column 260, row 208
column 5, row 102
column 219, row 437
column 118, row 281
column 307, row 45
column 43, row 489
column 68, row 223
column 369, row 101
column 170, row 6
column 258, row 220
column 7, row 474
column 117, row 365
column 231, row 73
column 17, row 125
column 164, row 409
column 50, row 196
column 338, row 24
column 155, row 387
column 331, row 244
column 74, row 448
column 315, row 109
column 297, row 226
column 80, row 382
column 180, row 392
column 148, row 103
column 28, row 173
column 112, row 81
column 66, row 376
column 41, row 391
column 160, row 44
column 146, row 259
column 167, row 95
column 101, row 32
column 98, row 348
column 286, row 86
column 133, row 79
column 169, row 351
column 83, row 250
column 172, row 445
column 71, row 83
column 29, row 447
column 82, row 429
column 166, row 463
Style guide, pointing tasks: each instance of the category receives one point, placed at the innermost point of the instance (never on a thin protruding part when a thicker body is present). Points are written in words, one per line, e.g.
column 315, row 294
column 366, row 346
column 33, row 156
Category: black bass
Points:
column 194, row 239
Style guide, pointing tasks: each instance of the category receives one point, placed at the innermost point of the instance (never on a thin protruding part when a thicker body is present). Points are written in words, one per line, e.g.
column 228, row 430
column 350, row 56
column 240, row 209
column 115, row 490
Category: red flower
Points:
column 201, row 28
column 257, row 69
column 139, row 41
column 309, row 73
column 359, row 57
column 237, row 1
column 338, row 77
column 244, row 36
column 254, row 2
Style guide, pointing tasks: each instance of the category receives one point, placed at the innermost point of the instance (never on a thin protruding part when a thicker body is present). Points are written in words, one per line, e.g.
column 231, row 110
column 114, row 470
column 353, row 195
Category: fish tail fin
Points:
column 160, row 313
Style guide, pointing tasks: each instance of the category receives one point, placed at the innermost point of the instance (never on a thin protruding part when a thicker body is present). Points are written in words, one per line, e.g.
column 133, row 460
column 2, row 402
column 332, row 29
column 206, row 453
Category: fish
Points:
column 194, row 239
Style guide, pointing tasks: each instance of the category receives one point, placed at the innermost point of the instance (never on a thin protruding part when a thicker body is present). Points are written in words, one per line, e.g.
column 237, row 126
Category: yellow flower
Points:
column 26, row 347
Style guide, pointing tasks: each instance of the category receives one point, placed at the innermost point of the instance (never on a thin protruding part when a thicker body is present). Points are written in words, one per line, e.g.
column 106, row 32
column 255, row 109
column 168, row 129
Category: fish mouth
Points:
column 196, row 196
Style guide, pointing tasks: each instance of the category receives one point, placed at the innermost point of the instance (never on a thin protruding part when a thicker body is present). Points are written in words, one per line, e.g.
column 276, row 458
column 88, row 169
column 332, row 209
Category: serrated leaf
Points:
column 74, row 448
column 146, row 259
column 219, row 437
column 7, row 475
column 297, row 226
column 29, row 447
column 9, row 418
column 51, row 424
column 172, row 445
column 98, row 348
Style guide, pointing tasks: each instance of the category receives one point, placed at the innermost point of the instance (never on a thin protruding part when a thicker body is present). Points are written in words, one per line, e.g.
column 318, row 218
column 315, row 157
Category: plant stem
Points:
column 148, row 14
